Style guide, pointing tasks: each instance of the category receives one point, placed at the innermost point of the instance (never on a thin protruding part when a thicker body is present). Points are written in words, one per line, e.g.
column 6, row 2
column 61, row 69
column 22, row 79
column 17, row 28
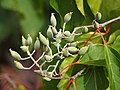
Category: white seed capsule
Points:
column 18, row 65
column 98, row 16
column 43, row 39
column 83, row 50
column 67, row 33
column 49, row 32
column 24, row 48
column 67, row 17
column 47, row 57
column 15, row 54
column 24, row 43
column 29, row 40
column 71, row 38
column 54, row 30
column 37, row 44
column 47, row 79
column 53, row 20
column 72, row 49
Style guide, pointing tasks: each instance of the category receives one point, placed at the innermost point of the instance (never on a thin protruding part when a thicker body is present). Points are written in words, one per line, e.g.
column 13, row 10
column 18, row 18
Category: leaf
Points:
column 94, row 56
column 113, row 36
column 113, row 66
column 94, row 79
column 116, row 44
column 80, row 6
column 94, row 5
column 29, row 20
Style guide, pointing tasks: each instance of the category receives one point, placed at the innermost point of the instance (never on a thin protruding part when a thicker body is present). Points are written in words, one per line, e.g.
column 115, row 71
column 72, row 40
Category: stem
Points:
column 74, row 85
column 68, row 84
column 64, row 27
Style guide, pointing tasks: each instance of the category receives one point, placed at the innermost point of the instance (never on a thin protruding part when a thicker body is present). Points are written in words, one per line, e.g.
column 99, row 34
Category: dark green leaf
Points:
column 113, row 65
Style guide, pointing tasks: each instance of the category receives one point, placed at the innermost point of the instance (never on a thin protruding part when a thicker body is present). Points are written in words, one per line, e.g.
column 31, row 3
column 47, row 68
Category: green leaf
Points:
column 113, row 36
column 93, row 79
column 94, row 56
column 80, row 6
column 116, row 44
column 113, row 66
column 94, row 5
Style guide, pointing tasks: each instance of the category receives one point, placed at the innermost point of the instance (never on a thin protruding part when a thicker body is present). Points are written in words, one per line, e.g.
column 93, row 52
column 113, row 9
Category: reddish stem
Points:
column 68, row 66
column 68, row 84
column 74, row 85
column 102, row 38
column 93, row 35
column 108, row 30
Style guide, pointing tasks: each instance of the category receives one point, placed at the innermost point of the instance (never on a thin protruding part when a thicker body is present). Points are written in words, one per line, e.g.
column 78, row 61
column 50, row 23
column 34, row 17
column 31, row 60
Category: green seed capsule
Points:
column 67, row 17
column 37, row 44
column 15, row 54
column 67, row 33
column 47, row 57
column 49, row 32
column 29, row 40
column 24, row 48
column 85, row 29
column 96, row 24
column 74, row 44
column 43, row 39
column 18, row 65
column 72, row 49
column 70, row 39
column 83, row 50
column 54, row 30
column 53, row 20
column 47, row 79
column 24, row 43
column 66, row 53
column 98, row 16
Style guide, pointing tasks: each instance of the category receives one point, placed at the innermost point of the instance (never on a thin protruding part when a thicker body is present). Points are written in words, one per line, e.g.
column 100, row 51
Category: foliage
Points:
column 97, row 68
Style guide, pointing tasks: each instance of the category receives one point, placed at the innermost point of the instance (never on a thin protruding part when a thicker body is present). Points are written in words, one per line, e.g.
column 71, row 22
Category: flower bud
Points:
column 29, row 39
column 72, row 49
column 43, row 39
column 37, row 44
column 47, row 57
column 67, row 17
column 18, row 65
column 83, row 50
column 67, row 33
column 70, row 39
column 47, row 78
column 96, row 24
column 53, row 20
column 54, row 30
column 98, row 16
column 49, row 32
column 85, row 29
column 24, row 48
column 24, row 43
column 66, row 53
column 15, row 54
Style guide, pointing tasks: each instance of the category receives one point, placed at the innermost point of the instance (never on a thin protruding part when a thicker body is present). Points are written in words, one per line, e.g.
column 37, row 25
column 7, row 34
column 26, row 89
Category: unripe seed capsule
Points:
column 67, row 33
column 98, row 16
column 18, row 65
column 24, row 48
column 67, row 17
column 24, row 43
column 53, row 20
column 72, row 49
column 47, row 57
column 54, row 30
column 37, row 44
column 83, row 50
column 43, row 39
column 96, row 24
column 15, row 54
column 47, row 79
column 70, row 39
column 49, row 32
column 85, row 29
column 66, row 53
column 29, row 39
column 74, row 44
